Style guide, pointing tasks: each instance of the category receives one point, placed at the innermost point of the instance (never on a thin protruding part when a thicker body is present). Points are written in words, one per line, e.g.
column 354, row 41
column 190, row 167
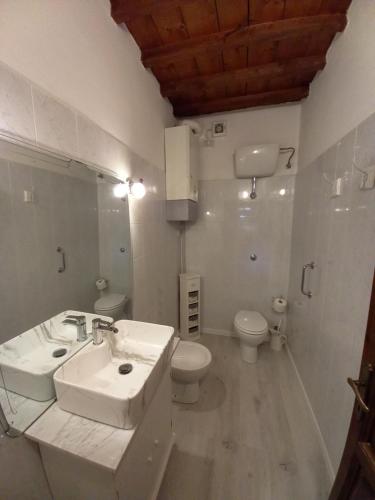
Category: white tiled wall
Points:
column 230, row 227
column 156, row 251
column 114, row 236
column 64, row 214
column 55, row 124
column 16, row 107
column 27, row 111
column 327, row 331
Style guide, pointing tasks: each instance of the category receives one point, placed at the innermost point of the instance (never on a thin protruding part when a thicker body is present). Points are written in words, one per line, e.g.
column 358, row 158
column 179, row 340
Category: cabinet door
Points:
column 139, row 471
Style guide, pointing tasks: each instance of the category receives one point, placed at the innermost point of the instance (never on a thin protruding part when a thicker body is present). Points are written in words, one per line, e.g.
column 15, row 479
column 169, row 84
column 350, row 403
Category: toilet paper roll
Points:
column 101, row 284
column 279, row 304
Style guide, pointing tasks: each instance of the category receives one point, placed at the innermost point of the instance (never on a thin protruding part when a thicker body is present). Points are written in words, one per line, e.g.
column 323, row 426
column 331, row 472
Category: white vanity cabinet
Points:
column 143, row 466
column 135, row 476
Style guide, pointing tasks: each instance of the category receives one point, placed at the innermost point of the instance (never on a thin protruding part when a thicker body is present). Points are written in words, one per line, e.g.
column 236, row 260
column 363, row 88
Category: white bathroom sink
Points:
column 27, row 361
column 90, row 384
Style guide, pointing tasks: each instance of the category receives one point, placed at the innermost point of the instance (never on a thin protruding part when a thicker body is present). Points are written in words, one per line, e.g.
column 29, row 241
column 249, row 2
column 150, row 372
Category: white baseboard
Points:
column 163, row 467
column 214, row 331
column 323, row 446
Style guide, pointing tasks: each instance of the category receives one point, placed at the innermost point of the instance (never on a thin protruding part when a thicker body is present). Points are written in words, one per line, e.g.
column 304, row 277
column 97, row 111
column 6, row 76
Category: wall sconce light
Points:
column 121, row 190
column 136, row 188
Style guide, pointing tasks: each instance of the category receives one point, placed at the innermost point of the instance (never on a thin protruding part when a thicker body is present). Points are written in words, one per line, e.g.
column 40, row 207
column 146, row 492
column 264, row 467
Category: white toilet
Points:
column 111, row 304
column 252, row 329
column 190, row 363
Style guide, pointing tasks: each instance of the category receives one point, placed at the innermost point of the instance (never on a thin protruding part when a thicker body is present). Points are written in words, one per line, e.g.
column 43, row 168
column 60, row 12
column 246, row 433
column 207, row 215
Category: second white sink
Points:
column 28, row 361
column 91, row 383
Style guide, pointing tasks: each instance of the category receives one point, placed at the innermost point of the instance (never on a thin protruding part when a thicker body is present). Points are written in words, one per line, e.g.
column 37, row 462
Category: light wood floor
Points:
column 250, row 436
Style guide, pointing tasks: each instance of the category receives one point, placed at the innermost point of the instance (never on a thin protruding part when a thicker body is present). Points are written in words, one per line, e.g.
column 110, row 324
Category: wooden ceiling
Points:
column 220, row 55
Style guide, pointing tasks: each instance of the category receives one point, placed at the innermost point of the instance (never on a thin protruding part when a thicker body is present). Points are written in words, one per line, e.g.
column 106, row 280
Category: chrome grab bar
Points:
column 310, row 265
column 61, row 269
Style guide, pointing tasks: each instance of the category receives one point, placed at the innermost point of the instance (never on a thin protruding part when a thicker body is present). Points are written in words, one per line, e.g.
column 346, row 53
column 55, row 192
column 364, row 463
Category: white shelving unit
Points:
column 190, row 292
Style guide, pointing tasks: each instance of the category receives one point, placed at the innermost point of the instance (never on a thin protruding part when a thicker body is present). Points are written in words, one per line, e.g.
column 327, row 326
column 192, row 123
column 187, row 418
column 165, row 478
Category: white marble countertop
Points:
column 98, row 443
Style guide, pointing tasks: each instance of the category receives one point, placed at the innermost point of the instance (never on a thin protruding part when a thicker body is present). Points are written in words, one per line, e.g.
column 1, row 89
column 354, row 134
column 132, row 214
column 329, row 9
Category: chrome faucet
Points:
column 99, row 326
column 80, row 323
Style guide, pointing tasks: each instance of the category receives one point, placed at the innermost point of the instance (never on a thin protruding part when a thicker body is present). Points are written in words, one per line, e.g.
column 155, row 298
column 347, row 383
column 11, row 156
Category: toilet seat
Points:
column 110, row 301
column 250, row 323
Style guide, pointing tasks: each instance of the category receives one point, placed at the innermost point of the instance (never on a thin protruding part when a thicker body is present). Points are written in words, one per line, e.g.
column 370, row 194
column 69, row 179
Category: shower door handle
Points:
column 310, row 265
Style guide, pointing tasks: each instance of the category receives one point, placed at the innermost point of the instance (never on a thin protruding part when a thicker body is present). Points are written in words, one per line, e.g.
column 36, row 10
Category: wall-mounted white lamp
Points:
column 120, row 190
column 136, row 188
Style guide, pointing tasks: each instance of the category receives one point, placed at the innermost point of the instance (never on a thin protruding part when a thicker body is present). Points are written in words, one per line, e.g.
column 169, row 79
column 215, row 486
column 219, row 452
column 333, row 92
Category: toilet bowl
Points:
column 111, row 304
column 190, row 363
column 252, row 329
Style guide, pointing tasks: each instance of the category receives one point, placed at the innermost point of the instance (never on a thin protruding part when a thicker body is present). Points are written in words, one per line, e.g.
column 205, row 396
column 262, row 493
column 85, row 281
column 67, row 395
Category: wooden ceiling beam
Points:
column 243, row 36
column 239, row 102
column 125, row 10
column 292, row 67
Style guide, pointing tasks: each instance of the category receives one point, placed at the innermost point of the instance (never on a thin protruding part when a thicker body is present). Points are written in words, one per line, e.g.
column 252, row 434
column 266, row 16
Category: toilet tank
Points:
column 259, row 160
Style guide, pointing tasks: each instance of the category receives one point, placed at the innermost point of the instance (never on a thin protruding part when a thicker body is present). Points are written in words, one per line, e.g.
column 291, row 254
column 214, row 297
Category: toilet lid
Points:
column 250, row 321
column 190, row 356
column 110, row 301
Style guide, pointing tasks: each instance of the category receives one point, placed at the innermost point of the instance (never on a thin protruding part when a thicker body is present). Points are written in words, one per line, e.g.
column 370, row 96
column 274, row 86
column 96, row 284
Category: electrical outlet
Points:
column 368, row 179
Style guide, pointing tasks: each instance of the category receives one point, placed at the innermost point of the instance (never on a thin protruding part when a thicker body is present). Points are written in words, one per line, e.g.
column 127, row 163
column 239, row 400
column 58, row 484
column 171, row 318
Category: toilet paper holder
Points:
column 279, row 304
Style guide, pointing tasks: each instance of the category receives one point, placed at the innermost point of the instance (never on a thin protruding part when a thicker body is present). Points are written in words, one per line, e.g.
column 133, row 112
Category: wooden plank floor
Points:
column 250, row 436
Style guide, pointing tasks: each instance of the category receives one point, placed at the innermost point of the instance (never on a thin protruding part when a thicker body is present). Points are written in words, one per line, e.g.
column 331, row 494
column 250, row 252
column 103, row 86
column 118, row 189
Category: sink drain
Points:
column 58, row 353
column 125, row 368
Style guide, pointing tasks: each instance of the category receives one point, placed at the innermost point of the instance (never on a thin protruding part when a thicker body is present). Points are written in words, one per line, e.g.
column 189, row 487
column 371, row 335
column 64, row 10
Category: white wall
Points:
column 74, row 50
column 263, row 125
column 115, row 265
column 231, row 225
column 326, row 333
column 342, row 96
column 64, row 214
column 229, row 228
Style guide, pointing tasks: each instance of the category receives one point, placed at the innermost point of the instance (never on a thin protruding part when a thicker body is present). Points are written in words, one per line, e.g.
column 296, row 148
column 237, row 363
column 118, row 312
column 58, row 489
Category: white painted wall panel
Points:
column 74, row 50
